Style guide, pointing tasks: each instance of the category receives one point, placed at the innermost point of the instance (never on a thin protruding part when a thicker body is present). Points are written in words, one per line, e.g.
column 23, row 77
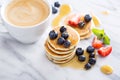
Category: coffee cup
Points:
column 26, row 27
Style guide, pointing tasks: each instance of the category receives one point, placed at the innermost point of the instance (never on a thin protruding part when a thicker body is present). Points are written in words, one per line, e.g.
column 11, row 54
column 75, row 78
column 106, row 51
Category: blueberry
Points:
column 63, row 29
column 65, row 35
column 53, row 34
column 57, row 4
column 87, row 66
column 92, row 61
column 67, row 44
column 79, row 51
column 81, row 58
column 87, row 18
column 81, row 24
column 54, row 10
column 60, row 40
column 90, row 49
column 92, row 55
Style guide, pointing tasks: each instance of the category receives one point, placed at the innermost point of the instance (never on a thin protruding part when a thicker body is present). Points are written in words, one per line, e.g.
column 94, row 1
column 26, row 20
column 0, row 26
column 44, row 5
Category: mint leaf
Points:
column 106, row 40
column 98, row 32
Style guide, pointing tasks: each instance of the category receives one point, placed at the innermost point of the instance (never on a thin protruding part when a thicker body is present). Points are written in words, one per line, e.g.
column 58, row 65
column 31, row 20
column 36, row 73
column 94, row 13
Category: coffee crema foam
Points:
column 27, row 12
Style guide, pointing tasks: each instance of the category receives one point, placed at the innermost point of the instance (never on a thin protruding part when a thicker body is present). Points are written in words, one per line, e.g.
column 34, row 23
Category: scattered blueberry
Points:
column 87, row 66
column 60, row 40
column 57, row 4
column 54, row 10
column 79, row 51
column 87, row 18
column 63, row 29
column 67, row 44
column 81, row 24
column 81, row 58
column 90, row 49
column 65, row 35
column 53, row 34
column 92, row 55
column 92, row 61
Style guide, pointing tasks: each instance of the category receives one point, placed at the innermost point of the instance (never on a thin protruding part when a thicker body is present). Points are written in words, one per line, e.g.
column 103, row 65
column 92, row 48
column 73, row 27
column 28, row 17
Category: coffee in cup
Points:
column 26, row 12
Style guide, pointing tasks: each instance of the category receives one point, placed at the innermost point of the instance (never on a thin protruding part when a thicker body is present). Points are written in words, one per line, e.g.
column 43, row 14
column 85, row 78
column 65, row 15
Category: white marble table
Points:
column 28, row 62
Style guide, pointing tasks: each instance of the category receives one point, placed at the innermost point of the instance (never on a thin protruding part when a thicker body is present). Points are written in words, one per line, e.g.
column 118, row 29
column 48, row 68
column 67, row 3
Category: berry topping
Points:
column 74, row 20
column 65, row 35
column 90, row 49
column 57, row 4
column 79, row 51
column 81, row 24
column 53, row 34
column 105, row 51
column 60, row 40
column 92, row 61
column 81, row 58
column 54, row 10
column 87, row 18
column 67, row 44
column 92, row 55
column 87, row 66
column 97, row 43
column 63, row 29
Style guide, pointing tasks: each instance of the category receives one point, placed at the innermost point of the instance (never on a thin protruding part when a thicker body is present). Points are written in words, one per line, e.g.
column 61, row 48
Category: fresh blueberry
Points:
column 54, row 10
column 65, row 35
column 87, row 66
column 57, row 4
column 92, row 61
column 67, row 44
column 53, row 34
column 92, row 55
column 79, row 51
column 90, row 49
column 81, row 58
column 63, row 29
column 81, row 24
column 60, row 40
column 87, row 18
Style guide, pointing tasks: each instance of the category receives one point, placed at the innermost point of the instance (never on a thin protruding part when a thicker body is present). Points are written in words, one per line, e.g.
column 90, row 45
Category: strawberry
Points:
column 74, row 20
column 97, row 43
column 105, row 51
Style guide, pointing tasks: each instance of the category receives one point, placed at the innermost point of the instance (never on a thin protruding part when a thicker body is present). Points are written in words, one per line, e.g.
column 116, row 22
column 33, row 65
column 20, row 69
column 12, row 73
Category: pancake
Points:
column 56, row 56
column 60, row 61
column 81, row 31
column 86, row 36
column 73, row 37
column 59, row 51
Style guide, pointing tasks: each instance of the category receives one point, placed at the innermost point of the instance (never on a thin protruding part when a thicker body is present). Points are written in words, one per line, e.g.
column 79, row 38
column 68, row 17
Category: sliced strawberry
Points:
column 105, row 51
column 97, row 43
column 74, row 20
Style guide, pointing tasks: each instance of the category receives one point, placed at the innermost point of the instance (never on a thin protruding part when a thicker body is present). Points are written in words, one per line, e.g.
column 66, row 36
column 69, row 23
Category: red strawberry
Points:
column 74, row 20
column 97, row 43
column 105, row 51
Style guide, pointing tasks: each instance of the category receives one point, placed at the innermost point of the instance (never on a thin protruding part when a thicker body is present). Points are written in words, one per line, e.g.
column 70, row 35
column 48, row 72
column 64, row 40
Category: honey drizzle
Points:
column 65, row 9
column 106, row 69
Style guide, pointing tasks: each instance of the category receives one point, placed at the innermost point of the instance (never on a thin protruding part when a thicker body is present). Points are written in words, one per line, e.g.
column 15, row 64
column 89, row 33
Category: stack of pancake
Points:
column 84, row 32
column 58, row 53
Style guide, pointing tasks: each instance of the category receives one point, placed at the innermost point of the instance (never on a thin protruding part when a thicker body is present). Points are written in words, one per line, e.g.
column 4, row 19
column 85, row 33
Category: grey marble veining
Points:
column 28, row 62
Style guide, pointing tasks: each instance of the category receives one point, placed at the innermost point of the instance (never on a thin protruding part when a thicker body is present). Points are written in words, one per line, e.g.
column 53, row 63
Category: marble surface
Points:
column 28, row 61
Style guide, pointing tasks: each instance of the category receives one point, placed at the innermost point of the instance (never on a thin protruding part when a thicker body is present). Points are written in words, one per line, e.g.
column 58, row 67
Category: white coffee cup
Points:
column 25, row 34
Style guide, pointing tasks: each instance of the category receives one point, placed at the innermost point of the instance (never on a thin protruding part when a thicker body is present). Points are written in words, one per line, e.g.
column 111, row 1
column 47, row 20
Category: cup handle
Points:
column 2, row 26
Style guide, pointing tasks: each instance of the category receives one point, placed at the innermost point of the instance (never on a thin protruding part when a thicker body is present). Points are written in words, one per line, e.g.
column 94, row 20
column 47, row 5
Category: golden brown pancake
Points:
column 81, row 31
column 59, row 51
column 60, row 61
column 86, row 36
column 57, row 56
column 73, row 37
